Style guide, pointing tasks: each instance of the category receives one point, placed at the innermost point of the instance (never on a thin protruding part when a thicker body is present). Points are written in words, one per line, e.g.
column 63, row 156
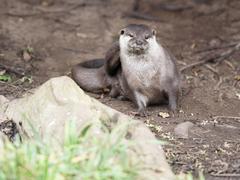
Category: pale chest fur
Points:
column 141, row 70
column 149, row 71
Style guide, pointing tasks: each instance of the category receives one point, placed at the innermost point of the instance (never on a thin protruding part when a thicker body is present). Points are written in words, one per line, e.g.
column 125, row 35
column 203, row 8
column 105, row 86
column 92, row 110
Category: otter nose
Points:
column 139, row 42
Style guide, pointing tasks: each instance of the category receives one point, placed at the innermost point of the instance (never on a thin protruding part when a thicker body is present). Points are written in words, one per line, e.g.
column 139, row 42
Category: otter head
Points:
column 136, row 39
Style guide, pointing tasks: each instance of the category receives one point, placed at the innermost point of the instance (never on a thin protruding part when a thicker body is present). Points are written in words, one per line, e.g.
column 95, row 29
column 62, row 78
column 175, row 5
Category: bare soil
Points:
column 44, row 38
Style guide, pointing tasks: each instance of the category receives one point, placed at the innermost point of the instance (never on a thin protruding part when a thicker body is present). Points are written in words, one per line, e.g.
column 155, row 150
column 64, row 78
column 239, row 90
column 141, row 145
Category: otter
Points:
column 97, row 75
column 138, row 68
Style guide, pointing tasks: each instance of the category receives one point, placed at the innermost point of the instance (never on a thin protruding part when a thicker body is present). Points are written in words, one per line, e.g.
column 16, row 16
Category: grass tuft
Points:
column 82, row 156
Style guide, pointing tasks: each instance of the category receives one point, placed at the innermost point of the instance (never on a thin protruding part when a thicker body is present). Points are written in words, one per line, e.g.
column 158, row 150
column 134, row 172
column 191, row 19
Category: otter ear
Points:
column 122, row 31
column 154, row 32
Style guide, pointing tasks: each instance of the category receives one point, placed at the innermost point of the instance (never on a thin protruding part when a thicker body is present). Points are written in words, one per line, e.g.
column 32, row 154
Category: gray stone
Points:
column 182, row 129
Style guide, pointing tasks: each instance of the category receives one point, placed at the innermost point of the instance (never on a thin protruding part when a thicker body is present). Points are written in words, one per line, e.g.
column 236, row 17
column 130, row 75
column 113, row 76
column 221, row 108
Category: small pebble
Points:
column 182, row 129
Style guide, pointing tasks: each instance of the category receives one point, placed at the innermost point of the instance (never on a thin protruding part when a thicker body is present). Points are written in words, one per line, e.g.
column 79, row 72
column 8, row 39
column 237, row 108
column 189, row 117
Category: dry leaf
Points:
column 237, row 77
column 164, row 114
column 2, row 72
column 26, row 56
column 238, row 95
column 193, row 46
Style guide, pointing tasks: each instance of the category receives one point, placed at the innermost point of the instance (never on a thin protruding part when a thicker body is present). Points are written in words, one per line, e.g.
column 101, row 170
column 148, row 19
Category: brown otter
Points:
column 99, row 74
column 137, row 67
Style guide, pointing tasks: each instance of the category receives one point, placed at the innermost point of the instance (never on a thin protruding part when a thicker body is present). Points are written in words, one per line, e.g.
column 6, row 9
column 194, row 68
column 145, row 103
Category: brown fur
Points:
column 122, row 73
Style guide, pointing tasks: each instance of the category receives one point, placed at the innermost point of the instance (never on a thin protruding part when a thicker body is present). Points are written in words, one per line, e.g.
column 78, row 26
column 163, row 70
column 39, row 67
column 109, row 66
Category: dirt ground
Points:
column 43, row 38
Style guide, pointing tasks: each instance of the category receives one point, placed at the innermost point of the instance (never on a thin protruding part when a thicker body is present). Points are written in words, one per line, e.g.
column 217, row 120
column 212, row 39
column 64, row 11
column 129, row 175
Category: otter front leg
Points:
column 141, row 102
column 114, row 92
column 112, row 60
column 172, row 99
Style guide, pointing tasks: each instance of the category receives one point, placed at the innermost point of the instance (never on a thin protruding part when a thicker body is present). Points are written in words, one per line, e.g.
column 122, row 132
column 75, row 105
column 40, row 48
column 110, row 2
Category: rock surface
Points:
column 60, row 100
column 182, row 129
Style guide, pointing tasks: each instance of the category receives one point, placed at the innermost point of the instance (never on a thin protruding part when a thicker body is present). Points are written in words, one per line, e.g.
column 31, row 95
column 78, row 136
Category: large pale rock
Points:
column 1, row 142
column 60, row 100
column 3, row 106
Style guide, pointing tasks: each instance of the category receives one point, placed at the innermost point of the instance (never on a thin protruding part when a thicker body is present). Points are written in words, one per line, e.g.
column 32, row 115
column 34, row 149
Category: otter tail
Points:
column 90, row 75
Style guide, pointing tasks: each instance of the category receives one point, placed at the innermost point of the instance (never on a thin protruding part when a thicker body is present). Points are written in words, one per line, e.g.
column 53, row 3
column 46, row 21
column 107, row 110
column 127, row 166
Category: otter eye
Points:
column 130, row 35
column 154, row 32
column 147, row 36
column 122, row 32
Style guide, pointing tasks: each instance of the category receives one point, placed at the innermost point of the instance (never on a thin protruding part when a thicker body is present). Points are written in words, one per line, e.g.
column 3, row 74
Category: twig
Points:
column 228, row 53
column 12, row 14
column 212, row 69
column 74, row 50
column 14, row 86
column 14, row 70
column 216, row 48
column 235, row 83
column 195, row 64
column 41, row 15
column 218, row 84
column 230, row 65
column 25, row 15
column 172, row 7
column 226, row 175
column 217, row 58
column 226, row 117
column 58, row 20
column 138, row 15
column 181, row 62
column 44, row 12
column 65, row 10
column 226, row 126
column 214, row 12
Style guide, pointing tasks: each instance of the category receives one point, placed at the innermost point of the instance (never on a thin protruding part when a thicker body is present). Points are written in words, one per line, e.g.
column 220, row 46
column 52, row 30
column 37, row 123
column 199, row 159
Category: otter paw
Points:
column 139, row 113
